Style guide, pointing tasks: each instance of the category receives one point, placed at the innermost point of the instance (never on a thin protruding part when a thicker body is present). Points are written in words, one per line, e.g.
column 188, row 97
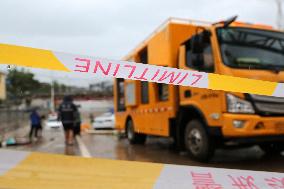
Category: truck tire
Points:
column 272, row 148
column 132, row 136
column 198, row 142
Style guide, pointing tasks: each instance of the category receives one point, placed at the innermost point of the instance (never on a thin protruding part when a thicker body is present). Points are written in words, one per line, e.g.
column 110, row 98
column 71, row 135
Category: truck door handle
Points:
column 187, row 93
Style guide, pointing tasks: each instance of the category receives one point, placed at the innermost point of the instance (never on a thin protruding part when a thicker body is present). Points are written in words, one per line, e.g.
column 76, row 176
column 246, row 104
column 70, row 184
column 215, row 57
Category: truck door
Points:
column 197, row 54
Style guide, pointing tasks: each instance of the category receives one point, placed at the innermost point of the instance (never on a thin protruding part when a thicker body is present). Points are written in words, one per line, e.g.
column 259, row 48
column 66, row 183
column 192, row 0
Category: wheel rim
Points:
column 194, row 141
column 130, row 132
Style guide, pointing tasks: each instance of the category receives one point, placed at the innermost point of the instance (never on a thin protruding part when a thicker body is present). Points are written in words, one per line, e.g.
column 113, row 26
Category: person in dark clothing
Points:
column 67, row 115
column 77, row 126
column 35, row 123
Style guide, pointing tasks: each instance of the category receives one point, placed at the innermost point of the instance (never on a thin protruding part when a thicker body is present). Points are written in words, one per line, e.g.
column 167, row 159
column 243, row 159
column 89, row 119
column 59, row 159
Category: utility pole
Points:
column 279, row 14
column 52, row 106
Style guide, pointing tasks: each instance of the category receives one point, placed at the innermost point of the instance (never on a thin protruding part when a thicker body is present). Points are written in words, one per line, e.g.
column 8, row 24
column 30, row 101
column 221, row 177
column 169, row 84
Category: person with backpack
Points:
column 67, row 114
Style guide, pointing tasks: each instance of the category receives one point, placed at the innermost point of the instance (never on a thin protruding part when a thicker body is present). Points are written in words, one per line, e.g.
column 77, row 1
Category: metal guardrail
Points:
column 12, row 119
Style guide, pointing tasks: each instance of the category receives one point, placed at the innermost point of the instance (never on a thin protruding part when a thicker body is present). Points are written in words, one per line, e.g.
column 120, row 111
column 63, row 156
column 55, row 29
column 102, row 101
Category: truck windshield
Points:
column 251, row 48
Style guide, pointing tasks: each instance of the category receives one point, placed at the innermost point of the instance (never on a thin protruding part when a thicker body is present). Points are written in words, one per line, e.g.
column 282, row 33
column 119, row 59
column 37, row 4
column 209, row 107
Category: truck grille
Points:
column 268, row 105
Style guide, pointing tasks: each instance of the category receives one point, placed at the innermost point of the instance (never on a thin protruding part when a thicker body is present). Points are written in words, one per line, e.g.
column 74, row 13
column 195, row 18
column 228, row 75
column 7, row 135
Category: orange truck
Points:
column 201, row 120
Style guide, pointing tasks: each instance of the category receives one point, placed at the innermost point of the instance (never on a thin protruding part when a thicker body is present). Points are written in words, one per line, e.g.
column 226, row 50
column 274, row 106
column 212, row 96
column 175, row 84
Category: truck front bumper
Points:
column 244, row 125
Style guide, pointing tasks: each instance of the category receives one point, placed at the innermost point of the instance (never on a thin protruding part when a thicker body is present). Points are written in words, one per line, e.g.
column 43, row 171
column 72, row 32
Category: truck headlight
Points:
column 237, row 105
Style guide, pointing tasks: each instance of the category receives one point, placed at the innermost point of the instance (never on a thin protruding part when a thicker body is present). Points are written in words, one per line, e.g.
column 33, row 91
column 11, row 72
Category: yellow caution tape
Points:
column 45, row 59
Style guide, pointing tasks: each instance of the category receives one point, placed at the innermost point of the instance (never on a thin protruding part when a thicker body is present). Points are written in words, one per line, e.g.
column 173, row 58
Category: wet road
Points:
column 158, row 150
column 52, row 141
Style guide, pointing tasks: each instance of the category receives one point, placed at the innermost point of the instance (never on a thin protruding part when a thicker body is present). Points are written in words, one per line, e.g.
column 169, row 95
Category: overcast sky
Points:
column 111, row 28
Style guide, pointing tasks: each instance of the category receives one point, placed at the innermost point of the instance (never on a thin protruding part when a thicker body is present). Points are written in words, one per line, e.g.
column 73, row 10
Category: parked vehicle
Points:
column 52, row 122
column 104, row 121
column 200, row 120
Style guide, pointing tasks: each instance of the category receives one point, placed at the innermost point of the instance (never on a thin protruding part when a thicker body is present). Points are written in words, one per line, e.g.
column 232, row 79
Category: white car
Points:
column 104, row 121
column 52, row 122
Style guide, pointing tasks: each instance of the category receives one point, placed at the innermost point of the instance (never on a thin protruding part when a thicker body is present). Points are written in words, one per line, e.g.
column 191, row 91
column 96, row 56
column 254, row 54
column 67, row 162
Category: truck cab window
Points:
column 120, row 95
column 143, row 56
column 144, row 92
column 203, row 60
column 163, row 91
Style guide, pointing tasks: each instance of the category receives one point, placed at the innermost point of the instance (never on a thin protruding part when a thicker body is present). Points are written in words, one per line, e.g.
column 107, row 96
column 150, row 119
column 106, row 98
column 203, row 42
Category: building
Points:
column 2, row 86
column 104, row 86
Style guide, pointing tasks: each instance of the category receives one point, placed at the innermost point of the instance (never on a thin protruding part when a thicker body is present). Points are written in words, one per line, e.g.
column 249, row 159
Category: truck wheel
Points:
column 272, row 148
column 197, row 142
column 132, row 136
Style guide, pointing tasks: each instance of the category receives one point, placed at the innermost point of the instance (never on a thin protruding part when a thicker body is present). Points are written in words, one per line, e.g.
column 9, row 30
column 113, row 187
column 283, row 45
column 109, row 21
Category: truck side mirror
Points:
column 197, row 48
column 197, row 60
column 189, row 59
column 197, row 44
column 198, row 41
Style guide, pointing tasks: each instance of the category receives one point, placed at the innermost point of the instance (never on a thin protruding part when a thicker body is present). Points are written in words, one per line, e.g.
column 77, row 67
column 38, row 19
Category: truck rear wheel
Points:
column 132, row 136
column 197, row 141
column 272, row 148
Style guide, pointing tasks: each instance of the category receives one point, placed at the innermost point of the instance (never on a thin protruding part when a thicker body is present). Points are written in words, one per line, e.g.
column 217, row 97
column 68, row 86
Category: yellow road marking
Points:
column 82, row 147
column 57, row 171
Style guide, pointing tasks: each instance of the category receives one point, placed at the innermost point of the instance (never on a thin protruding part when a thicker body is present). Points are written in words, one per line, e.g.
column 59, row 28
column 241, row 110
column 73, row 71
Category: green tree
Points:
column 21, row 85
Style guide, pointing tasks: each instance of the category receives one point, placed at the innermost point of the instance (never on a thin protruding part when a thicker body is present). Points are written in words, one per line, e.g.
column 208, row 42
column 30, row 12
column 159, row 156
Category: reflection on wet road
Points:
column 158, row 150
column 52, row 141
